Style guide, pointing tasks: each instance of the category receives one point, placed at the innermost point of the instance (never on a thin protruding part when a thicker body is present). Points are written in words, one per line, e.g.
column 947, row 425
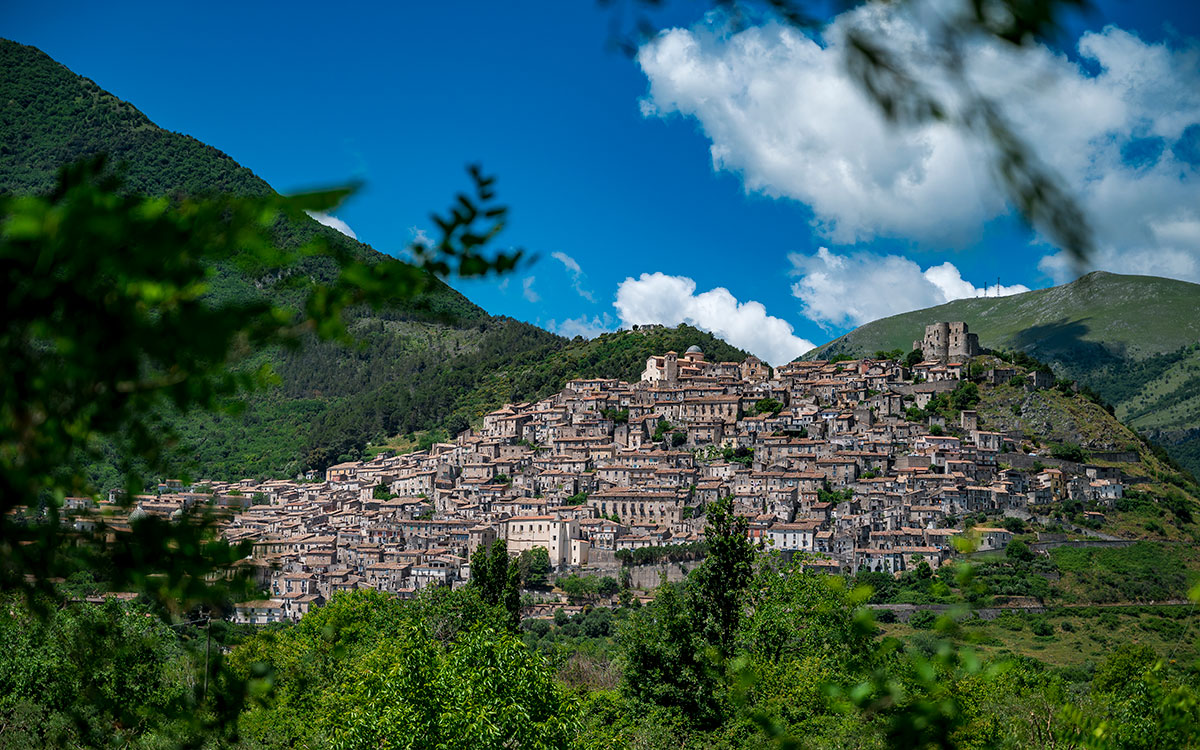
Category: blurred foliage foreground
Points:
column 108, row 331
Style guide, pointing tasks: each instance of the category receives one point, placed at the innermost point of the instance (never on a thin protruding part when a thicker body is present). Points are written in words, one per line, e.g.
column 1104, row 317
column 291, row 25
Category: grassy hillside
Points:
column 435, row 362
column 1130, row 338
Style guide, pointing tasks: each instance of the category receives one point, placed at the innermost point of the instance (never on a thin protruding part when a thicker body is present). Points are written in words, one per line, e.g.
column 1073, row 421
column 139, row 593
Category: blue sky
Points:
column 607, row 162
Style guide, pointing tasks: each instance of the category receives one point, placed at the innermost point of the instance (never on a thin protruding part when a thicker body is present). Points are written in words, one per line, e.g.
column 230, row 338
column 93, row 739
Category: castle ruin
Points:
column 948, row 342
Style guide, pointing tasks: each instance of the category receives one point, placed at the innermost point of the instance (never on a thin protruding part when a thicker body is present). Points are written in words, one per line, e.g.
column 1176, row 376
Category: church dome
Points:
column 693, row 349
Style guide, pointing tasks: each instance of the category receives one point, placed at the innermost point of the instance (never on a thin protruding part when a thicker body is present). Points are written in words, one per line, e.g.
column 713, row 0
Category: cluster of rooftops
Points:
column 819, row 456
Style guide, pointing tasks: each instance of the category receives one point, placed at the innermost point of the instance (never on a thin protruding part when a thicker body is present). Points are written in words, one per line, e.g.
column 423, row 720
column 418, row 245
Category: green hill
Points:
column 437, row 361
column 1133, row 339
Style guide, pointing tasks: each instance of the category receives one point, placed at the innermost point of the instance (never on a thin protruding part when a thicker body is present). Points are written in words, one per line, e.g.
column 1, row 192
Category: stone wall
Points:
column 1080, row 543
column 648, row 577
column 1117, row 457
column 645, row 577
column 1022, row 461
column 937, row 386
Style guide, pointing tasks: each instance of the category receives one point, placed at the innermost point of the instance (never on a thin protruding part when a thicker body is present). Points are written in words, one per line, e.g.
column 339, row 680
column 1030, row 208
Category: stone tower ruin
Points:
column 948, row 342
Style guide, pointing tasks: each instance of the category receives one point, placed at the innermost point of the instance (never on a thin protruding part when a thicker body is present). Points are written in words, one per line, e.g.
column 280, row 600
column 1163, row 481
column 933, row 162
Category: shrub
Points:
column 1010, row 621
column 1018, row 550
column 1015, row 525
column 1069, row 452
column 925, row 644
column 922, row 619
column 1041, row 627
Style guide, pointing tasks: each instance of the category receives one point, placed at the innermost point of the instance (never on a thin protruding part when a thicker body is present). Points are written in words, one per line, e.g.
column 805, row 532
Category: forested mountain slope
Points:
column 435, row 361
column 1133, row 339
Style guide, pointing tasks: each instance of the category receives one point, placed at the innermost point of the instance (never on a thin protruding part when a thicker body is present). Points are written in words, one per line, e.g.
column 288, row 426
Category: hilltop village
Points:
column 823, row 457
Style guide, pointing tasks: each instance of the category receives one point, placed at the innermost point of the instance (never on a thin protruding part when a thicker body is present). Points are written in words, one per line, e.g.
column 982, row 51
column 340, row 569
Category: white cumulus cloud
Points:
column 576, row 273
column 1121, row 126
column 528, row 291
column 333, row 222
column 850, row 289
column 671, row 300
column 418, row 236
column 781, row 112
column 589, row 328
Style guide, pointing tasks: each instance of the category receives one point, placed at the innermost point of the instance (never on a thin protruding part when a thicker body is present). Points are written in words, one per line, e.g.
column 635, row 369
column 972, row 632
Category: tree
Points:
column 497, row 577
column 791, row 614
column 915, row 357
column 535, row 566
column 768, row 406
column 1013, row 524
column 368, row 669
column 587, row 587
column 666, row 660
column 740, row 455
column 675, row 650
column 719, row 585
column 608, row 586
column 1018, row 550
column 577, row 587
column 488, row 690
column 88, row 675
column 965, row 396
